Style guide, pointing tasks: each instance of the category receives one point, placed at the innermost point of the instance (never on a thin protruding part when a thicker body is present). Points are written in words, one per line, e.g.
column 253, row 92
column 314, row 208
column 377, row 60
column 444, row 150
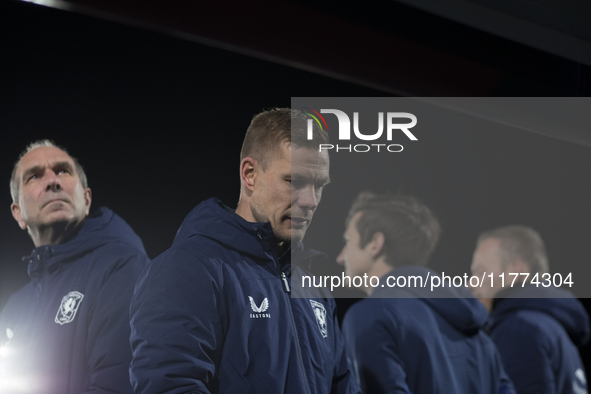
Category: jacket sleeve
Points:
column 372, row 352
column 343, row 381
column 107, row 346
column 524, row 352
column 176, row 329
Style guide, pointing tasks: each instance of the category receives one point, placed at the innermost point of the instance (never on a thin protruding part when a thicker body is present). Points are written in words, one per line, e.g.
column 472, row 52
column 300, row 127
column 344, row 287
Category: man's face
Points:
column 487, row 260
column 49, row 190
column 289, row 191
column 357, row 261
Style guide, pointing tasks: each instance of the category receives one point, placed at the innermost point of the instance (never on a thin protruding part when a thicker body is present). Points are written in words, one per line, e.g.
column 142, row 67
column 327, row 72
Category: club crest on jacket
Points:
column 320, row 313
column 68, row 307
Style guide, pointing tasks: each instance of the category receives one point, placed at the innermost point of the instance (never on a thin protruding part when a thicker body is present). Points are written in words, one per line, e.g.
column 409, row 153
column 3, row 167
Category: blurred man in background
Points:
column 536, row 326
column 405, row 338
column 67, row 330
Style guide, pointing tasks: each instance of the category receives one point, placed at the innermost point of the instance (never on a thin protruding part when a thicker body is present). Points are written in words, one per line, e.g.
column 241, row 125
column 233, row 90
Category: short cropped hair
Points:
column 520, row 243
column 410, row 230
column 14, row 183
column 269, row 129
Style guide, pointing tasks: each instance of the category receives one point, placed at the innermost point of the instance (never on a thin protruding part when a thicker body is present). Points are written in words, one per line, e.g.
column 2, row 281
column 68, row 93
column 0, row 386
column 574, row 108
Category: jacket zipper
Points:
column 295, row 331
column 284, row 279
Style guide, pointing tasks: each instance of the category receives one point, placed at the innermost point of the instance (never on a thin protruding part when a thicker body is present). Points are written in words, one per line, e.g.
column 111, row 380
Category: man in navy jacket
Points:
column 214, row 313
column 406, row 338
column 536, row 327
column 66, row 331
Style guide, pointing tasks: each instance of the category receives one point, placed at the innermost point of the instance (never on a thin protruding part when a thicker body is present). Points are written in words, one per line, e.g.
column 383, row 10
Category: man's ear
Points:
column 16, row 214
column 248, row 173
column 87, row 199
column 377, row 244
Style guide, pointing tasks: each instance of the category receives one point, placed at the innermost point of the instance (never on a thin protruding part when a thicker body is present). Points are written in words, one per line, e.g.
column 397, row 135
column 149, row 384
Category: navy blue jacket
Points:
column 423, row 345
column 213, row 314
column 537, row 332
column 68, row 328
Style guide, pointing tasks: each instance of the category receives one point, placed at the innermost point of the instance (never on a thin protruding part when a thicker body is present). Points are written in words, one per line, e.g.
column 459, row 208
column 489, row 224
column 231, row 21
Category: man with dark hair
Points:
column 214, row 314
column 536, row 327
column 406, row 338
column 66, row 331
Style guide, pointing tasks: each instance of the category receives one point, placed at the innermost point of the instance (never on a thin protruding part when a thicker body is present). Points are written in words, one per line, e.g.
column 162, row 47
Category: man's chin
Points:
column 59, row 218
column 297, row 235
column 292, row 235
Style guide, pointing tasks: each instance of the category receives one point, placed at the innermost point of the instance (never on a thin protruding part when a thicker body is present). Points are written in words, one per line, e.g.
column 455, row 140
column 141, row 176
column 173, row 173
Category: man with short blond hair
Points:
column 66, row 331
column 214, row 313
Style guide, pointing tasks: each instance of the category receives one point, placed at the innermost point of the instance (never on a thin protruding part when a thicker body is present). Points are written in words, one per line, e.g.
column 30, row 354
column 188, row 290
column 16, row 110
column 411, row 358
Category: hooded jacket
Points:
column 537, row 332
column 403, row 340
column 214, row 314
column 67, row 330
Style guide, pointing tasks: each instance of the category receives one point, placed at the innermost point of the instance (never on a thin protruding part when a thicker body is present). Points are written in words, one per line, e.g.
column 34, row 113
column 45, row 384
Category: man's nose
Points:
column 53, row 182
column 307, row 198
column 341, row 257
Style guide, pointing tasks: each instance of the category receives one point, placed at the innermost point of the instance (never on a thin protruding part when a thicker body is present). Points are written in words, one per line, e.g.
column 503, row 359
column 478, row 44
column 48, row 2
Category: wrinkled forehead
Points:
column 43, row 156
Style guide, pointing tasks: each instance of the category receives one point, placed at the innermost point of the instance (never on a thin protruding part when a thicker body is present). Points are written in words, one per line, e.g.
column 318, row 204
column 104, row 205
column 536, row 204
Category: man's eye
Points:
column 34, row 176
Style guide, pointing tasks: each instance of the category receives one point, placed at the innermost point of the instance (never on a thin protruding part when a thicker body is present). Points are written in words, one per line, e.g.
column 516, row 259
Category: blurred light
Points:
column 11, row 383
column 14, row 385
column 51, row 3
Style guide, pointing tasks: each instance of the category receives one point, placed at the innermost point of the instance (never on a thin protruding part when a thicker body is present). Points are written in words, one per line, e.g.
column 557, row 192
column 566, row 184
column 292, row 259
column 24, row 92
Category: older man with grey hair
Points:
column 67, row 330
column 536, row 326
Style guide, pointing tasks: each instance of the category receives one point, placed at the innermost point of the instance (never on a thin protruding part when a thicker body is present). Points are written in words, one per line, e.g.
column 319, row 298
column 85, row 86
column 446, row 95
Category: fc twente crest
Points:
column 68, row 307
column 320, row 313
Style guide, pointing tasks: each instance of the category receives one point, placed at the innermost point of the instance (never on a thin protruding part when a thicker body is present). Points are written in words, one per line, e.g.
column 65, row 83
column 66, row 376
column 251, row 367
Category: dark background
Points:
column 158, row 122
